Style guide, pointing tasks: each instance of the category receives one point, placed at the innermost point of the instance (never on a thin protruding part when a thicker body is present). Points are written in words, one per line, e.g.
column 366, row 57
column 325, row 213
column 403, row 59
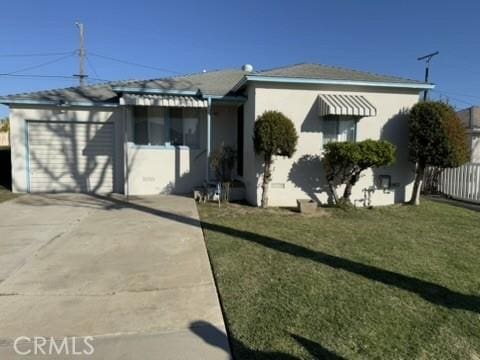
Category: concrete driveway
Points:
column 134, row 275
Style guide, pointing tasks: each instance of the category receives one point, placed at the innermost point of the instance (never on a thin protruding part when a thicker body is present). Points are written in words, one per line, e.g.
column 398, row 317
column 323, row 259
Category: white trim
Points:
column 292, row 80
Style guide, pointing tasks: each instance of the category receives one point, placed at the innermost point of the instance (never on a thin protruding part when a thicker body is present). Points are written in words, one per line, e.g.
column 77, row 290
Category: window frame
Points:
column 337, row 119
column 167, row 129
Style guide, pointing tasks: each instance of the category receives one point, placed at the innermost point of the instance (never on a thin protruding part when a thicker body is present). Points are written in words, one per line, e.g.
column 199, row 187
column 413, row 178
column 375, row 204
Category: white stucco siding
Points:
column 301, row 177
column 154, row 170
column 250, row 161
column 19, row 116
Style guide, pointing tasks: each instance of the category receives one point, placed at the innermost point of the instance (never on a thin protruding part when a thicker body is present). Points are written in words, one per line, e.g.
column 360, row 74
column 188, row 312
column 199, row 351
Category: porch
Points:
column 168, row 141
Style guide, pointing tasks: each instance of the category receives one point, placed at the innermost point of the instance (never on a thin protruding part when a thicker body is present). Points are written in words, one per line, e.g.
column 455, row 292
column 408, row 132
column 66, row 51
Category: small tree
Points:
column 345, row 161
column 437, row 138
column 274, row 135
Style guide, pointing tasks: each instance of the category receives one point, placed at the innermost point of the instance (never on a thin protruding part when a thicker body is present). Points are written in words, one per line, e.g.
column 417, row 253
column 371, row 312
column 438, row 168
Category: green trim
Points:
column 293, row 80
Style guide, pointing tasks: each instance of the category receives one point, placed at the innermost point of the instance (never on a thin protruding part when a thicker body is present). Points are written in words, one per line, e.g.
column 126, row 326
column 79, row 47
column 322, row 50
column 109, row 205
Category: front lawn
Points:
column 389, row 283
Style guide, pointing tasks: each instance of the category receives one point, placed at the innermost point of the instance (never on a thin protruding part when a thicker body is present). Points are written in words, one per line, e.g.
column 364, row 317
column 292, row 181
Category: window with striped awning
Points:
column 342, row 104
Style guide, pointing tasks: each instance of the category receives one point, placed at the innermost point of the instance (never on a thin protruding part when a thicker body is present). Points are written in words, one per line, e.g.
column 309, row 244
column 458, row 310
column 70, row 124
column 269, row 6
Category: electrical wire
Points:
column 452, row 97
column 37, row 76
column 133, row 63
column 91, row 66
column 40, row 65
column 476, row 97
column 36, row 54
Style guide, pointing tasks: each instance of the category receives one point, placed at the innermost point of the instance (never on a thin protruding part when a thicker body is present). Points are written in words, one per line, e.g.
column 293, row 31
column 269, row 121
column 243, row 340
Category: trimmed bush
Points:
column 274, row 135
column 345, row 161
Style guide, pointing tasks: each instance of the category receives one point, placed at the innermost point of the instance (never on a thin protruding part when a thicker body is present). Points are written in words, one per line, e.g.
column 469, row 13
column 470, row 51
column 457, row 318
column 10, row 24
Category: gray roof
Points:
column 316, row 71
column 215, row 83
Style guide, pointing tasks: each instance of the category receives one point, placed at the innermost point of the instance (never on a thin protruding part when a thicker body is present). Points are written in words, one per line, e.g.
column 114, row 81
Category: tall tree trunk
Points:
column 267, row 176
column 333, row 190
column 347, row 193
column 417, row 185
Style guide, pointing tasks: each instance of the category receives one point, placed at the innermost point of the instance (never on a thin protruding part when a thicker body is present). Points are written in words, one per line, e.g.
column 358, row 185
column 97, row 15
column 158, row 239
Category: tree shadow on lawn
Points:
column 431, row 292
column 215, row 337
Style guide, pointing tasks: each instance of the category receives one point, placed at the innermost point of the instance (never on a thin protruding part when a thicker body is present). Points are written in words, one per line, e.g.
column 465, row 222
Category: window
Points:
column 167, row 126
column 339, row 128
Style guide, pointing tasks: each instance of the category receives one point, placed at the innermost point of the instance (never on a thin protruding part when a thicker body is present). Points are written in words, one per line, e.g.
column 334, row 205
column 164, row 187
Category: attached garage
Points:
column 70, row 156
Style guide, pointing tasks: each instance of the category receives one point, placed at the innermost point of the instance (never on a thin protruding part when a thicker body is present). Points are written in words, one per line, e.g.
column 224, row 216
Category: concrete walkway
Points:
column 134, row 275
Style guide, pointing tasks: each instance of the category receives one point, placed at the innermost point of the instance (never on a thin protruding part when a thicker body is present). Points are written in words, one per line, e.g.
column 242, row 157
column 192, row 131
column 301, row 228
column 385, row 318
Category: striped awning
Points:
column 164, row 100
column 340, row 104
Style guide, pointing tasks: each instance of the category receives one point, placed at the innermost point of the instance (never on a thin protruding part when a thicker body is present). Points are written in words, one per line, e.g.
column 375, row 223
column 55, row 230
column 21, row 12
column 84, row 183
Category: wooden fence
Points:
column 461, row 183
column 4, row 138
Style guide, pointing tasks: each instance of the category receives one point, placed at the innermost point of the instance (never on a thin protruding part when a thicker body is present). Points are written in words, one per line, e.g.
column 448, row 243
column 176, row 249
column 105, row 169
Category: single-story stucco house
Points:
column 155, row 136
column 471, row 119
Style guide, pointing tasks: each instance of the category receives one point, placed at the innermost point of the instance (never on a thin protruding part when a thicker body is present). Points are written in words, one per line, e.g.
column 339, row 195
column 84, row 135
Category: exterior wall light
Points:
column 384, row 182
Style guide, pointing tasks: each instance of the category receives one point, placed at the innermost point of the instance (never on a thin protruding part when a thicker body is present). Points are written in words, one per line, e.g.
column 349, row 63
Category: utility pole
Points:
column 427, row 59
column 81, row 54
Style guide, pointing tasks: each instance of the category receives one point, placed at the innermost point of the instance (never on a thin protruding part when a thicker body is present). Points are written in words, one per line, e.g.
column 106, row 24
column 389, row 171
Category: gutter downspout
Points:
column 125, row 153
column 209, row 128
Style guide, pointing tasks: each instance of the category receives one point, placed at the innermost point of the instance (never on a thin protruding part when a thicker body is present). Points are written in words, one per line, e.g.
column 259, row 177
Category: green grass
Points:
column 389, row 283
column 6, row 194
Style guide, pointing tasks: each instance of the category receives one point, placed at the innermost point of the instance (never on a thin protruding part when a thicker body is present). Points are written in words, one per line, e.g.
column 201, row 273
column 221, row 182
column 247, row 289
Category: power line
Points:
column 34, row 76
column 133, row 63
column 40, row 65
column 476, row 97
column 91, row 66
column 36, row 54
column 453, row 97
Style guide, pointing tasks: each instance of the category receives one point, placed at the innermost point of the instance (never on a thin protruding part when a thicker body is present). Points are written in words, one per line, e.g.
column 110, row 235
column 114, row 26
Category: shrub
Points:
column 345, row 161
column 274, row 135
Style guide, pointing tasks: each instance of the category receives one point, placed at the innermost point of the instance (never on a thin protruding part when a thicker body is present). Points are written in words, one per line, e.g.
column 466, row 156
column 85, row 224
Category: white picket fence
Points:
column 4, row 138
column 461, row 183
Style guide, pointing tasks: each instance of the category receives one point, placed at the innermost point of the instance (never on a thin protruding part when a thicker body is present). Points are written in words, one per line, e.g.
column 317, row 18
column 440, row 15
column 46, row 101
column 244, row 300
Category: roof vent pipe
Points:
column 247, row 68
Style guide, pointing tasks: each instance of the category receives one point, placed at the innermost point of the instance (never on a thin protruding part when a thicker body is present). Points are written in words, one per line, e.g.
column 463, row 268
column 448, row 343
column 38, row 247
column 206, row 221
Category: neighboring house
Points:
column 155, row 136
column 471, row 119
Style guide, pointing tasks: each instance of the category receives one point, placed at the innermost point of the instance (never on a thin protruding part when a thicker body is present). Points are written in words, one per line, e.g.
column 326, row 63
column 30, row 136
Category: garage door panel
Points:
column 67, row 154
column 45, row 140
column 81, row 164
column 71, row 156
column 57, row 171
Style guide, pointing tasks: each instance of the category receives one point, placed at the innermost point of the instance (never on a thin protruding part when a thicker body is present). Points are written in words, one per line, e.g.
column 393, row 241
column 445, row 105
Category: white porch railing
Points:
column 4, row 139
column 461, row 183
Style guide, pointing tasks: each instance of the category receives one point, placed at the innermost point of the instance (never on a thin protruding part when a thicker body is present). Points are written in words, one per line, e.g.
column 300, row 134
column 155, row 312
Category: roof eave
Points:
column 10, row 101
column 140, row 90
column 294, row 80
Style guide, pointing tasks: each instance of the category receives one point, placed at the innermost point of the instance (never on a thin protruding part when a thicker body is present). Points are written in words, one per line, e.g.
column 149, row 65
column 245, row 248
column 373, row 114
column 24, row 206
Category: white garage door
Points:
column 70, row 156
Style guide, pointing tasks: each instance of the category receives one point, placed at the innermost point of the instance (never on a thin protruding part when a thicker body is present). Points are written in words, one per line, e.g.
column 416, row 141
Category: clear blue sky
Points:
column 189, row 36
